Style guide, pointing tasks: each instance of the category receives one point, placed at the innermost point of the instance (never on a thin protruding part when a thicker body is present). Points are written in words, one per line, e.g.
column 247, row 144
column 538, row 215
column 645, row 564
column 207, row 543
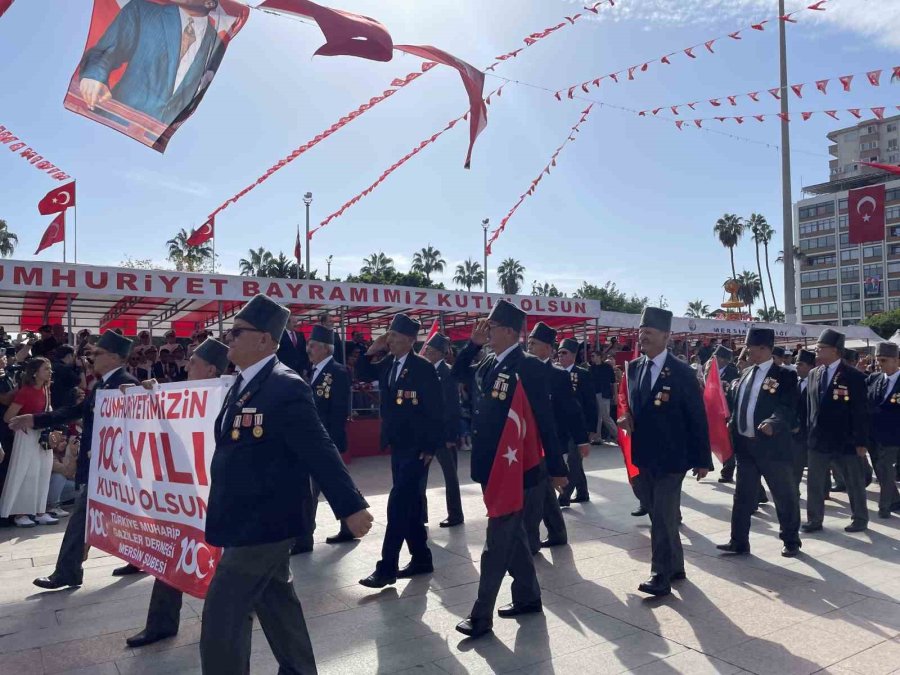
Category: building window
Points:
column 894, row 231
column 892, row 145
column 849, row 255
column 817, row 210
column 842, row 204
column 892, row 127
column 843, row 222
column 892, row 212
column 873, row 271
column 850, row 292
column 894, row 285
column 819, row 310
column 873, row 251
column 817, row 226
column 821, row 260
column 894, row 303
column 817, row 242
column 871, row 145
column 819, row 276
column 821, row 293
column 894, row 249
column 892, row 195
column 850, row 274
column 894, row 268
column 874, row 306
column 850, row 308
column 871, row 129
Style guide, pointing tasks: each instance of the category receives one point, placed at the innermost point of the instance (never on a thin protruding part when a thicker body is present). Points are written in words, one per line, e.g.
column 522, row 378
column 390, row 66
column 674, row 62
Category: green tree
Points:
column 281, row 267
column 468, row 274
column 188, row 258
column 510, row 274
column 884, row 323
column 256, row 263
column 770, row 316
column 546, row 290
column 766, row 234
column 140, row 264
column 697, row 309
column 427, row 261
column 8, row 241
column 799, row 256
column 378, row 266
column 410, row 279
column 729, row 229
column 758, row 226
column 750, row 288
column 611, row 298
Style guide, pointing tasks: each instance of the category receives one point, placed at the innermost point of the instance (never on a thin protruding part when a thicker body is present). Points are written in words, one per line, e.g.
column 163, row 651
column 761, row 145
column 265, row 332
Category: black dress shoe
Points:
column 451, row 523
column 790, row 550
column 564, row 501
column 126, row 570
column 515, row 609
column 640, row 512
column 340, row 538
column 764, row 500
column 884, row 513
column 857, row 526
column 733, row 549
column 53, row 582
column 378, row 580
column 415, row 568
column 578, row 499
column 550, row 543
column 726, row 479
column 474, row 628
column 147, row 638
column 655, row 585
column 811, row 527
column 678, row 576
column 304, row 547
column 838, row 488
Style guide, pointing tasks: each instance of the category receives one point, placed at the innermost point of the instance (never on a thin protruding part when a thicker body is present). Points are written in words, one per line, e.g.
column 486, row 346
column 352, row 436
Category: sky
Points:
column 632, row 200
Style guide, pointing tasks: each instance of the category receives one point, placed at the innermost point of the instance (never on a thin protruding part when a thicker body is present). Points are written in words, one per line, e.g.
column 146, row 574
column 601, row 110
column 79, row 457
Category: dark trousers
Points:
column 640, row 493
column 727, row 470
column 447, row 458
column 662, row 494
column 577, row 478
column 506, row 550
column 817, row 485
column 798, row 460
column 542, row 505
column 404, row 514
column 254, row 579
column 315, row 491
column 71, row 552
column 779, row 475
column 884, row 458
column 164, row 614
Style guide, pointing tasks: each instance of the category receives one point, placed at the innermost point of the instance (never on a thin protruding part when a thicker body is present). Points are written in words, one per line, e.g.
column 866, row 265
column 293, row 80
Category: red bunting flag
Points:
column 679, row 124
column 690, row 52
column 58, row 199
column 202, row 234
column 674, row 109
column 775, row 92
column 732, row 100
column 818, row 5
column 665, row 60
column 854, row 112
column 624, row 437
column 714, row 102
column 787, row 18
column 699, row 123
column 54, row 234
column 739, row 120
column 717, row 415
column 797, row 89
column 5, row 5
column 878, row 112
column 297, row 248
column 846, row 80
column 709, row 45
column 866, row 211
column 832, row 113
column 806, row 115
column 735, row 35
column 759, row 118
column 759, row 26
column 754, row 95
column 874, row 77
column 822, row 85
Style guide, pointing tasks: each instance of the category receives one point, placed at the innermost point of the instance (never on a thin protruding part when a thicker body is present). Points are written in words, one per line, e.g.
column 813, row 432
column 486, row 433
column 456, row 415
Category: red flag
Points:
column 890, row 168
column 822, row 85
column 431, row 333
column 54, row 234
column 5, row 5
column 297, row 248
column 874, row 77
column 845, row 81
column 866, row 207
column 518, row 451
column 625, row 437
column 878, row 112
column 797, row 89
column 203, row 234
column 57, row 200
column 717, row 415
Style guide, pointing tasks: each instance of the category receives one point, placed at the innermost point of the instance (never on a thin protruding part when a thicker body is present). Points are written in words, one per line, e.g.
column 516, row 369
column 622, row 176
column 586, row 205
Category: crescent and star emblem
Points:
column 866, row 200
column 63, row 199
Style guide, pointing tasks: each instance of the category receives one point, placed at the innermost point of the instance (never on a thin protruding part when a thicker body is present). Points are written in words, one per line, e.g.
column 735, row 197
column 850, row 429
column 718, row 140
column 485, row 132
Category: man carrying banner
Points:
column 269, row 442
column 670, row 436
column 763, row 406
column 583, row 388
column 209, row 360
column 110, row 357
column 494, row 384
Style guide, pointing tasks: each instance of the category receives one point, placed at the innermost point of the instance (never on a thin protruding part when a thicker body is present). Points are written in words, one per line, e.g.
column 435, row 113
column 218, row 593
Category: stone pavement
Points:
column 835, row 608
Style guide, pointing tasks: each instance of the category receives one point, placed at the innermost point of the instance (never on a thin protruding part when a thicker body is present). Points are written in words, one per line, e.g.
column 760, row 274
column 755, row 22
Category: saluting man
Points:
column 412, row 425
column 587, row 400
column 494, row 380
column 763, row 406
column 884, row 406
column 670, row 437
column 838, row 432
column 269, row 442
column 806, row 361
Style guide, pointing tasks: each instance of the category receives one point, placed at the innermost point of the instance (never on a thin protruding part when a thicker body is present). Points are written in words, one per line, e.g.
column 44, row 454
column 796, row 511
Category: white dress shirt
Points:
column 106, row 377
column 762, row 371
column 829, row 375
column 438, row 364
column 659, row 361
column 506, row 352
column 319, row 367
column 250, row 372
column 397, row 367
column 201, row 24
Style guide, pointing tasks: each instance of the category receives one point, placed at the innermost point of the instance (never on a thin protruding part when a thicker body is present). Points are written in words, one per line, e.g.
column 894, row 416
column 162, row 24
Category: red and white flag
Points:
column 866, row 210
column 54, row 234
column 518, row 451
column 297, row 248
column 203, row 233
column 434, row 330
column 717, row 414
column 890, row 168
column 624, row 436
column 57, row 200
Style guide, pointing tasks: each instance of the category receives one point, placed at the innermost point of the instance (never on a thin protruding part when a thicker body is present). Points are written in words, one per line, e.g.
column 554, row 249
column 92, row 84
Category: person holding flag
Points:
column 670, row 436
column 512, row 419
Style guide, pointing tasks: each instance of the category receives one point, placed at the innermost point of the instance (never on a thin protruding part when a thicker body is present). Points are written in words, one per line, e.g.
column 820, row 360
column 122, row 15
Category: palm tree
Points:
column 771, row 316
column 428, row 260
column 766, row 232
column 755, row 225
column 256, row 264
column 697, row 309
column 750, row 288
column 377, row 265
column 281, row 267
column 8, row 241
column 729, row 229
column 511, row 273
column 468, row 274
column 799, row 256
column 188, row 258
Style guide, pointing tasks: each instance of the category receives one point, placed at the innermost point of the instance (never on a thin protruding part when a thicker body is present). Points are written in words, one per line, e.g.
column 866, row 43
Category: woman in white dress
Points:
column 28, row 479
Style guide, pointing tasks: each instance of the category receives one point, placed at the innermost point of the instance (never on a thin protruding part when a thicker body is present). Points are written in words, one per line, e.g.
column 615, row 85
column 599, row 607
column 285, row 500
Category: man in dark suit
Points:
column 110, row 357
column 806, row 361
column 494, row 380
column 435, row 351
column 763, row 411
column 728, row 373
column 583, row 389
column 570, row 428
column 670, row 436
column 884, row 407
column 412, row 424
column 326, row 321
column 269, row 442
column 209, row 360
column 838, row 432
column 292, row 349
column 330, row 382
column 170, row 52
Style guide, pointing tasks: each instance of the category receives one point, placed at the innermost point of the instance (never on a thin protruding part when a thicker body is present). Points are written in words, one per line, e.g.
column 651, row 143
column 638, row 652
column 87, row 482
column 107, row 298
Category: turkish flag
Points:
column 54, row 234
column 717, row 415
column 435, row 328
column 297, row 249
column 5, row 5
column 866, row 206
column 624, row 436
column 518, row 451
column 57, row 200
column 890, row 168
column 203, row 234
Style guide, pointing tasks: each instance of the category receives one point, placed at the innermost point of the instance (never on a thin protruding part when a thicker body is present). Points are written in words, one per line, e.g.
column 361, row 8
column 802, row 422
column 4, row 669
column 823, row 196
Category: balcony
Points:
column 833, row 150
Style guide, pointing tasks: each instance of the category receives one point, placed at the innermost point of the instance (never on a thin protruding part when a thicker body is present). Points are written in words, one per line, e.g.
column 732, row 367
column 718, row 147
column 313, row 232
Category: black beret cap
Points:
column 889, row 349
column 266, row 315
column 806, row 356
column 439, row 341
column 831, row 338
column 543, row 333
column 570, row 345
column 215, row 353
column 761, row 337
column 405, row 326
column 114, row 343
column 507, row 314
column 723, row 352
column 654, row 317
column 322, row 334
column 778, row 351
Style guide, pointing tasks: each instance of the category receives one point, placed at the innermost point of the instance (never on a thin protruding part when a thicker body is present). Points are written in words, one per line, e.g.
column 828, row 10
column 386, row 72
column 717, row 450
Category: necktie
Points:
column 393, row 381
column 823, row 385
column 745, row 401
column 188, row 37
column 885, row 388
column 293, row 338
column 646, row 381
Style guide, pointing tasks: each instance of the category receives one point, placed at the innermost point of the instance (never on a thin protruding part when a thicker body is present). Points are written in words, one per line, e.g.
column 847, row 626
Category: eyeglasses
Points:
column 235, row 333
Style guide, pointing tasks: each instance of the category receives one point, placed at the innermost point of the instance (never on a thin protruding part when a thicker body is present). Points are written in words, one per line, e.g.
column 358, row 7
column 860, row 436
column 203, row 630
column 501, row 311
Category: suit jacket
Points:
column 490, row 413
column 84, row 412
column 673, row 436
column 567, row 412
column 837, row 419
column 412, row 421
column 293, row 357
column 801, row 428
column 775, row 405
column 885, row 414
column 147, row 37
column 450, row 390
column 331, row 392
column 730, row 373
column 259, row 489
column 583, row 387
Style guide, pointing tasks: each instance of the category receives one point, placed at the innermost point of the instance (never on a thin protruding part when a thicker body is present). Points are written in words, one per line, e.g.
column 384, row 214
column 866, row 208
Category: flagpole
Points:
column 64, row 238
column 74, row 226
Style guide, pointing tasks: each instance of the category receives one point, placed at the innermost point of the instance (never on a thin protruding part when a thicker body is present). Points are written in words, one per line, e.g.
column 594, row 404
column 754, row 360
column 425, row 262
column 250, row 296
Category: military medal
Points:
column 399, row 397
column 235, row 431
column 412, row 395
column 257, row 429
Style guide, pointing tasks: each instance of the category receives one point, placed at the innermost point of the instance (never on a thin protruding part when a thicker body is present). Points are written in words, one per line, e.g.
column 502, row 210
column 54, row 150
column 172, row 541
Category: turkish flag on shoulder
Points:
column 203, row 234
column 519, row 450
column 57, row 200
column 866, row 207
column 54, row 234
column 717, row 415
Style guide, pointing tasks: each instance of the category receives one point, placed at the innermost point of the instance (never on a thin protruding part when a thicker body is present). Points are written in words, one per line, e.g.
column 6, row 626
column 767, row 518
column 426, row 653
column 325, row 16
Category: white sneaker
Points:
column 24, row 521
column 58, row 513
column 46, row 519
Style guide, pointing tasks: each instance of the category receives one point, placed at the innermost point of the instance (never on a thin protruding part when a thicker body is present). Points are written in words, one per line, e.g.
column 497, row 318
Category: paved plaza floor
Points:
column 836, row 608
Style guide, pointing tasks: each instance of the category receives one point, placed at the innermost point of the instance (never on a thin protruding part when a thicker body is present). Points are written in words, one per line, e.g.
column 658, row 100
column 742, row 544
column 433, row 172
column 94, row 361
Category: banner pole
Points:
column 75, row 223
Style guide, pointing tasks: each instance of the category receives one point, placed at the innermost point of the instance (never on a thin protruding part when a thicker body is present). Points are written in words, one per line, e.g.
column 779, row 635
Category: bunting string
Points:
column 630, row 72
column 534, row 183
column 879, row 112
column 17, row 146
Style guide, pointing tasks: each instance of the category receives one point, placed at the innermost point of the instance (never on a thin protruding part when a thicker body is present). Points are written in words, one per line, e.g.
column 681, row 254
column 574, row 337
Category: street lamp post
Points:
column 787, row 208
column 484, row 226
column 307, row 199
column 328, row 262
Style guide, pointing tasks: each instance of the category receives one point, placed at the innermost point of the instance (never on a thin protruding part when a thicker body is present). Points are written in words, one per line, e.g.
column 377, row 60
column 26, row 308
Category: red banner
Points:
column 784, row 117
column 866, row 210
column 22, row 149
column 624, row 436
column 717, row 414
column 5, row 5
column 54, row 234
